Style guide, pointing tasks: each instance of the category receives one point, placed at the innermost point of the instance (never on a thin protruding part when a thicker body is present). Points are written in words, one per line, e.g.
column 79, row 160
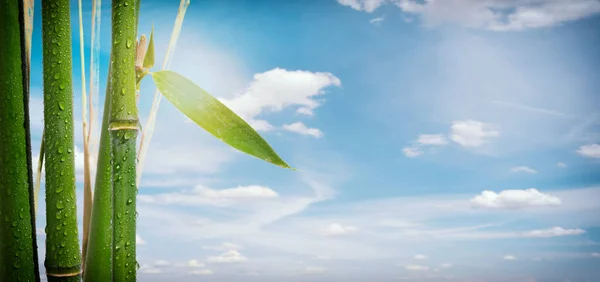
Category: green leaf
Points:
column 214, row 116
column 149, row 58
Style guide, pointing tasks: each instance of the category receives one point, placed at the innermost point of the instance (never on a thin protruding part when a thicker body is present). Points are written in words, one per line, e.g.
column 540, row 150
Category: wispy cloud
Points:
column 301, row 128
column 509, row 257
column 530, row 109
column 524, row 169
column 376, row 21
column 139, row 240
column 336, row 229
column 231, row 256
column 416, row 267
column 472, row 133
column 411, row 152
column 514, row 199
column 590, row 151
column 362, row 5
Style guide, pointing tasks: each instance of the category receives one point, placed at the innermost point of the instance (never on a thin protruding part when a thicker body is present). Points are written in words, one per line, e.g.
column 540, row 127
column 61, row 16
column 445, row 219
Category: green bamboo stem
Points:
column 99, row 257
column 63, row 256
column 18, row 250
column 123, row 128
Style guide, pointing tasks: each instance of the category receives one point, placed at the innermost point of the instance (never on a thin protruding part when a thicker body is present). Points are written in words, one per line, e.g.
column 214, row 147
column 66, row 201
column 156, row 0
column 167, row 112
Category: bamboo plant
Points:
column 18, row 249
column 109, row 250
column 63, row 256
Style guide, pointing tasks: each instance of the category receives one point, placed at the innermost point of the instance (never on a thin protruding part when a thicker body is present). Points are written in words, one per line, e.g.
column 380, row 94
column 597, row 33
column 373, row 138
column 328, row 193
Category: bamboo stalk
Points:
column 18, row 249
column 94, row 71
column 148, row 130
column 123, row 128
column 87, row 183
column 99, row 257
column 63, row 256
column 38, row 176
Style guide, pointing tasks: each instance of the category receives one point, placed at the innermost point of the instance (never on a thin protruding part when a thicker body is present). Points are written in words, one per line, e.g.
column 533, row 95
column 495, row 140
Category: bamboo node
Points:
column 64, row 274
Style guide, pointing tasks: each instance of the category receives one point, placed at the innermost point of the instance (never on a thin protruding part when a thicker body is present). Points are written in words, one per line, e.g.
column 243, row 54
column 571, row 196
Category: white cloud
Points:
column 509, row 257
column 231, row 256
column 445, row 265
column 553, row 232
column 432, row 139
column 205, row 271
column 377, row 21
column 149, row 269
column 416, row 267
column 539, row 233
column 514, row 199
column 194, row 263
column 311, row 270
column 596, row 255
column 225, row 246
column 162, row 263
column 362, row 5
column 420, row 257
column 337, row 229
column 301, row 128
column 412, row 152
column 278, row 89
column 561, row 164
column 524, row 169
column 139, row 240
column 471, row 133
column 500, row 15
column 590, row 151
column 201, row 195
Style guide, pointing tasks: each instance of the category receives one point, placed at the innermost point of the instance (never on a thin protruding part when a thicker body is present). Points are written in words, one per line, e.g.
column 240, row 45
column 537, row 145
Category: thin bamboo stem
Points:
column 63, row 256
column 123, row 128
column 87, row 183
column 94, row 71
column 148, row 129
column 99, row 257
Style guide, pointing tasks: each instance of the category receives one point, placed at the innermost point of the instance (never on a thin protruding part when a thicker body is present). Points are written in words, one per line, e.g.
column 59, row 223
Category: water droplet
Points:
column 62, row 244
column 22, row 214
column 60, row 205
column 17, row 264
column 62, row 86
column 57, row 76
column 128, row 135
column 61, row 106
column 129, row 43
column 61, row 150
column 122, row 91
column 129, row 201
column 69, row 150
column 62, row 159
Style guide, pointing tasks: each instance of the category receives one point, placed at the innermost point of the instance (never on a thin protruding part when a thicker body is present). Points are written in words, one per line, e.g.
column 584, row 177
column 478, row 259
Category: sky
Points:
column 453, row 140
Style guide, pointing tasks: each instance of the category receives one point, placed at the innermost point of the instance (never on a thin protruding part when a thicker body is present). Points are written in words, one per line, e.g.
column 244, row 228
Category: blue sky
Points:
column 434, row 141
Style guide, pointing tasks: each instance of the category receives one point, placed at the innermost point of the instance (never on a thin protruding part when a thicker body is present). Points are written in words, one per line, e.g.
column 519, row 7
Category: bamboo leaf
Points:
column 149, row 58
column 214, row 116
